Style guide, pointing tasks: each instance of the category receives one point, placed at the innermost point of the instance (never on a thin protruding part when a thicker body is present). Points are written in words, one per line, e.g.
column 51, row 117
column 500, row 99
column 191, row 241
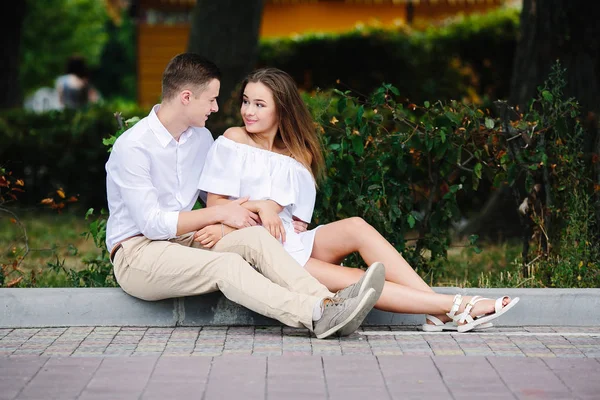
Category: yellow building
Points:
column 164, row 25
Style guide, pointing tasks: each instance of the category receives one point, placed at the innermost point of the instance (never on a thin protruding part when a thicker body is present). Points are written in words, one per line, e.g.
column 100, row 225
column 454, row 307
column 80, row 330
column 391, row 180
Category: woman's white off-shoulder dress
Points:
column 238, row 170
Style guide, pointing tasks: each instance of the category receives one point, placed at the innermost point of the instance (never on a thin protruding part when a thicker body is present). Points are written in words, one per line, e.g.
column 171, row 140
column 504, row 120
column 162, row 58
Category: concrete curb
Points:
column 21, row 308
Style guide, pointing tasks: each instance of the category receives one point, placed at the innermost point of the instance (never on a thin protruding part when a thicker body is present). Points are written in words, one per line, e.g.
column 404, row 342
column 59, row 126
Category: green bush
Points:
column 466, row 59
column 60, row 150
column 405, row 169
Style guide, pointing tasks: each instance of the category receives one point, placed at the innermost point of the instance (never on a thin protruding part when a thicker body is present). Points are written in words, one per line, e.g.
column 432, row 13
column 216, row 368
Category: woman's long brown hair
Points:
column 295, row 124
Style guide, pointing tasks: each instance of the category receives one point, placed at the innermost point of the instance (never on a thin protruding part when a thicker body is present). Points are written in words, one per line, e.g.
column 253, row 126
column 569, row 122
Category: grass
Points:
column 59, row 238
column 498, row 265
column 51, row 238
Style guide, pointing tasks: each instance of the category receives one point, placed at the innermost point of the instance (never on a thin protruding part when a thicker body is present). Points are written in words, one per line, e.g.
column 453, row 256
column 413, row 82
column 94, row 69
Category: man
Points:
column 152, row 177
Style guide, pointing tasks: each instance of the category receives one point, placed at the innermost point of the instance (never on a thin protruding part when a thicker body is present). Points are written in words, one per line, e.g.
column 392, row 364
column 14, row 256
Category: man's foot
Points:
column 344, row 316
column 374, row 277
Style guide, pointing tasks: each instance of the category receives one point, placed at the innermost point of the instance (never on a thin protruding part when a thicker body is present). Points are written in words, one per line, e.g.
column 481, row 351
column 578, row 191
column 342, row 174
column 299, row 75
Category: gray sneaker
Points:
column 374, row 277
column 344, row 316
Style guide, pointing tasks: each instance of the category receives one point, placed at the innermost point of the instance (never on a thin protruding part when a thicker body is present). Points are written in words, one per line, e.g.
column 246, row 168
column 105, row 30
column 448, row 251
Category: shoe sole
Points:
column 356, row 317
column 374, row 278
column 447, row 328
column 481, row 320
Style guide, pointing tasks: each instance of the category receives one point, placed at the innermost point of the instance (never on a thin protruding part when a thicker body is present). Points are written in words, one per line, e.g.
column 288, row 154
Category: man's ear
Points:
column 185, row 96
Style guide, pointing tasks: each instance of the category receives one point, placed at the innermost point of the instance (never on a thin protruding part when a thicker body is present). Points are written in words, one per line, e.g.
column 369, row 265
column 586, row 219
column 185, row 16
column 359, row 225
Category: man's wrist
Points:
column 218, row 214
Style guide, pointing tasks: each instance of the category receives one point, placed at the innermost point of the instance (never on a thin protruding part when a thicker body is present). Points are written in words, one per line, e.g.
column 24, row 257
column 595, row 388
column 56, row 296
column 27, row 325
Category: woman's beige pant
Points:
column 278, row 288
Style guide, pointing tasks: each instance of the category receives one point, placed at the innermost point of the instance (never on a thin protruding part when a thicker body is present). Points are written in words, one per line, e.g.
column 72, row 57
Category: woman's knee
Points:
column 357, row 224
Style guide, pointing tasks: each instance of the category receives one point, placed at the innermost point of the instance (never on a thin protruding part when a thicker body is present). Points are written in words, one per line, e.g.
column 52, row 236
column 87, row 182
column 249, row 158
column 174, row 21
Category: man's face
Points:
column 203, row 103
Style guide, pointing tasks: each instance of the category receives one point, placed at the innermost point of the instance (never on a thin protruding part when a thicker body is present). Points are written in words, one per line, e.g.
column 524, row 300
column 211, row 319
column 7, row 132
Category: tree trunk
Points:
column 565, row 30
column 226, row 33
column 10, row 42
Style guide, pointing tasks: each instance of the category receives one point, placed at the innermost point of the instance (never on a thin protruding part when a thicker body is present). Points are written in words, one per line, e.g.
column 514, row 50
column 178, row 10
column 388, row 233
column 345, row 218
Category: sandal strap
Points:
column 466, row 314
column 455, row 306
column 498, row 304
column 436, row 321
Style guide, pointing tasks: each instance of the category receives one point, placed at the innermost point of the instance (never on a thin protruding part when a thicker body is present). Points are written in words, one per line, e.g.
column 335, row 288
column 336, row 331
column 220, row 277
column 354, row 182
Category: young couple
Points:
column 261, row 174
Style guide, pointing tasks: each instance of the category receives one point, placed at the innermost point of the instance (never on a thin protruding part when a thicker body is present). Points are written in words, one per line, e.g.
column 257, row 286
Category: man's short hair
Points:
column 187, row 69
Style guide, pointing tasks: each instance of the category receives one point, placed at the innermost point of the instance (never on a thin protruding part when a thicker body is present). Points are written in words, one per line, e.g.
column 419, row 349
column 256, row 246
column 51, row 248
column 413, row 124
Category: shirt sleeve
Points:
column 222, row 170
column 130, row 171
column 293, row 185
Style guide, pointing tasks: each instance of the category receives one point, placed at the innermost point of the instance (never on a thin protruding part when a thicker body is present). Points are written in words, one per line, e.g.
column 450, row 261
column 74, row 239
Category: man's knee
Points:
column 257, row 234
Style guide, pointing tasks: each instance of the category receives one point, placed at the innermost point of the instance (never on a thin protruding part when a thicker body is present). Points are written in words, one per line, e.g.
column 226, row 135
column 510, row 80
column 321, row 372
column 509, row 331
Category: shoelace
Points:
column 332, row 302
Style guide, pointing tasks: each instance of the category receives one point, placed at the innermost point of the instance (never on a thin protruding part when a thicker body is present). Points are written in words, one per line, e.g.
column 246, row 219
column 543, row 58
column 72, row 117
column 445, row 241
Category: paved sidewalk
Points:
column 275, row 362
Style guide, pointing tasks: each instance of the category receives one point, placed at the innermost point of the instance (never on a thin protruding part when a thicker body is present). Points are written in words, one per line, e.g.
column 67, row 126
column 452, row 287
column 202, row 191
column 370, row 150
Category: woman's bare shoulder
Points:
column 237, row 134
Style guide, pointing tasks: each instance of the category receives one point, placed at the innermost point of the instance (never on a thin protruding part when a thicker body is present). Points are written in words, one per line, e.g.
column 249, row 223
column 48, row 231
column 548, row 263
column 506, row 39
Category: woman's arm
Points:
column 267, row 210
column 251, row 205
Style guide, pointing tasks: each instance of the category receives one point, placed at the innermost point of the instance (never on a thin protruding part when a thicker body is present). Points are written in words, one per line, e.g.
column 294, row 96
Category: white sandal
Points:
column 466, row 322
column 438, row 326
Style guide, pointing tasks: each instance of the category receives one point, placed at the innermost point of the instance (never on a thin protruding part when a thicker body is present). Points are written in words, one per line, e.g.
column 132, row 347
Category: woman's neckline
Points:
column 260, row 150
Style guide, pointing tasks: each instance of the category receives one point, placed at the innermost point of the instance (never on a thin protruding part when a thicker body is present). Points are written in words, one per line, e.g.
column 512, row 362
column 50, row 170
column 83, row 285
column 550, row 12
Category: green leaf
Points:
column 357, row 145
column 341, row 105
column 489, row 123
column 411, row 221
column 477, row 170
column 427, row 104
column 359, row 113
column 547, row 96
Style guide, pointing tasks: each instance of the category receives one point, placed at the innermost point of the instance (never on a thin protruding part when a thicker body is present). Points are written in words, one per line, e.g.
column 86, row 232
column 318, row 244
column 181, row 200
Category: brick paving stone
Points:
column 470, row 377
column 296, row 341
column 384, row 345
column 61, row 378
column 237, row 377
column 415, row 378
column 4, row 332
column 530, row 378
column 329, row 346
column 178, row 378
column 120, row 378
column 357, row 346
column 295, row 377
column 582, row 377
column 16, row 373
column 354, row 378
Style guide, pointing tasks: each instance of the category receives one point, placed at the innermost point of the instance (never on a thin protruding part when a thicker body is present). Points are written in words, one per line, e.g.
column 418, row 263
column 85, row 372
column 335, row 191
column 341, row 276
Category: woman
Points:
column 276, row 159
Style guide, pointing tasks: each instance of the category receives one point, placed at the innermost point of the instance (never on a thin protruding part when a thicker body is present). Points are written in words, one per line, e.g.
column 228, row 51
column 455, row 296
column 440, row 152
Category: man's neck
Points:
column 172, row 121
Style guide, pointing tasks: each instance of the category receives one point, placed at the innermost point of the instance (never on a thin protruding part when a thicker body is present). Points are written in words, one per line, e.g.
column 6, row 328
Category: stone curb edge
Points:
column 21, row 308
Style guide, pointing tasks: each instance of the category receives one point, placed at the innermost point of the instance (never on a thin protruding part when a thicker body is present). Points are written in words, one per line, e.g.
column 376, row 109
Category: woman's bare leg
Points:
column 395, row 297
column 333, row 242
column 405, row 291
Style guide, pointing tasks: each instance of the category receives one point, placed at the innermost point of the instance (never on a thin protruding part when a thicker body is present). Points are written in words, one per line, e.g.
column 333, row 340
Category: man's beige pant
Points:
column 278, row 288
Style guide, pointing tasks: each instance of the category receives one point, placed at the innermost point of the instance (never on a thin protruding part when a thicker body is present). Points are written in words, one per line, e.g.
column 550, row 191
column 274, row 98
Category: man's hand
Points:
column 236, row 216
column 299, row 226
column 211, row 234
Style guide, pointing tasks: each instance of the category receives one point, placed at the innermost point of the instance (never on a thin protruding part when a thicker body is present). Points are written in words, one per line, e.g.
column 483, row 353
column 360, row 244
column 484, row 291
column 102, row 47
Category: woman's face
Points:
column 258, row 109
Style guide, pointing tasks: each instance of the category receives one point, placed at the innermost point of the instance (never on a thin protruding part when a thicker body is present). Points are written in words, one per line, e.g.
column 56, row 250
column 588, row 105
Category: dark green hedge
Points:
column 468, row 58
column 59, row 150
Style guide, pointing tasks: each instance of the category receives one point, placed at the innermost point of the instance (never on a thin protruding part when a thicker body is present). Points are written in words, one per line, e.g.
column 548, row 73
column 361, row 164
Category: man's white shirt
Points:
column 151, row 177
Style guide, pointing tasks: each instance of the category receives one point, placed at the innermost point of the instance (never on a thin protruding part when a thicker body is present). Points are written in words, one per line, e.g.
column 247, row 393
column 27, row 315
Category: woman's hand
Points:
column 299, row 226
column 211, row 234
column 272, row 222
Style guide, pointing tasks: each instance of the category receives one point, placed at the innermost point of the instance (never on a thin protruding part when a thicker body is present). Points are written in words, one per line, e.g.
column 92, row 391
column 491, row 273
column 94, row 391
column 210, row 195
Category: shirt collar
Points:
column 159, row 130
column 161, row 133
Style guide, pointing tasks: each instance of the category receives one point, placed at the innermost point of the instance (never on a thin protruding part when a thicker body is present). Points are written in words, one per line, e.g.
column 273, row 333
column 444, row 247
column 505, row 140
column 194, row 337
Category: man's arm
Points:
column 130, row 170
column 255, row 206
column 231, row 213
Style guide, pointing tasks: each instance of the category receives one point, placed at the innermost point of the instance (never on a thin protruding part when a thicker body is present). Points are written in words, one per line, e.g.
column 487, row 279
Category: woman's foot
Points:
column 480, row 308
